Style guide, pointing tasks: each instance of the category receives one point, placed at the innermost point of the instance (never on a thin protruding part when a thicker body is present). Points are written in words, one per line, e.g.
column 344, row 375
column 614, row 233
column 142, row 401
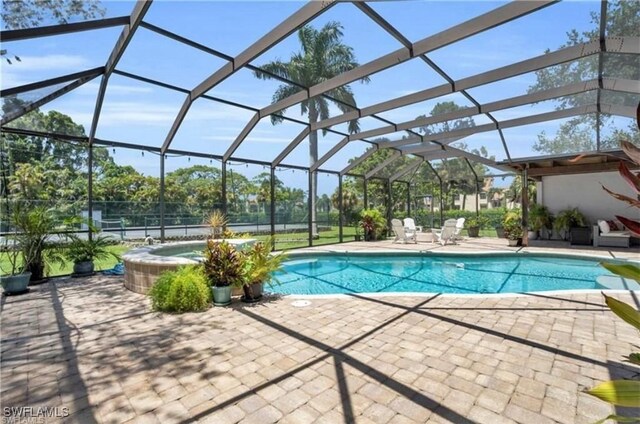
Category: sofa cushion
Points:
column 618, row 234
column 613, row 226
column 604, row 226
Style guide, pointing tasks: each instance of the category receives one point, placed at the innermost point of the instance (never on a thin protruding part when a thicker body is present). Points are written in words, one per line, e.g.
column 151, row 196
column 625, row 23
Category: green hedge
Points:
column 427, row 219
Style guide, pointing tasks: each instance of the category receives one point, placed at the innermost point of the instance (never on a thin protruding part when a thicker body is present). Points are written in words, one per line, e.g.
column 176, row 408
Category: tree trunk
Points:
column 313, row 158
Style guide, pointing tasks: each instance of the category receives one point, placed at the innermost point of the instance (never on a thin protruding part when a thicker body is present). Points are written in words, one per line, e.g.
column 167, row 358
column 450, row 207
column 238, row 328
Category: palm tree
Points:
column 323, row 56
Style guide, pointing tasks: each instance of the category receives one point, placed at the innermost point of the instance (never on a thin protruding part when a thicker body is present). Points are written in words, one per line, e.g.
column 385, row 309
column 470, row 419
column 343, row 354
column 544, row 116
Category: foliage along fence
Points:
column 430, row 219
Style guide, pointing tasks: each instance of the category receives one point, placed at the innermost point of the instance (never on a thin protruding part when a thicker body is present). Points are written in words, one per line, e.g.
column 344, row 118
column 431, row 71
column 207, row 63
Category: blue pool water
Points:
column 331, row 274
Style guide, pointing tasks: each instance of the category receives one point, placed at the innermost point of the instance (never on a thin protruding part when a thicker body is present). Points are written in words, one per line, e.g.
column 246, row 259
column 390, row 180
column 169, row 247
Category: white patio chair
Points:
column 459, row 228
column 446, row 234
column 411, row 226
column 402, row 234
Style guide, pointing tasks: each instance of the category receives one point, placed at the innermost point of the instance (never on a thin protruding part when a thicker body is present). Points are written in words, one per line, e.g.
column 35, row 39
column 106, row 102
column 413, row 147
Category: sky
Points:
column 139, row 113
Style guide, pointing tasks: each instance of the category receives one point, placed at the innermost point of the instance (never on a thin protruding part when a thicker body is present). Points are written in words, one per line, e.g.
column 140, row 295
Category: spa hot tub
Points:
column 143, row 265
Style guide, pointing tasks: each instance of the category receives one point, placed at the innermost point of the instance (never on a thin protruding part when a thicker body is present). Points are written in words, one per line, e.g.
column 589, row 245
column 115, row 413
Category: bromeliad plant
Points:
column 624, row 392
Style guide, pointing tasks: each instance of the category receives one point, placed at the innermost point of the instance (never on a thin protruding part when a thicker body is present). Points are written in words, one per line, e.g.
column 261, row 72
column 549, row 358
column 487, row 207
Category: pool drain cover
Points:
column 300, row 303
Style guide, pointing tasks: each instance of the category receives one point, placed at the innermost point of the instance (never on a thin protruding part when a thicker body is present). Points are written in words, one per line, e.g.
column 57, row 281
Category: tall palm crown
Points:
column 323, row 56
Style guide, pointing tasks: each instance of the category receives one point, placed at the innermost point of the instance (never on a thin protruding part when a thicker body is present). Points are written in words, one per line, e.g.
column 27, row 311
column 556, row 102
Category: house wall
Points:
column 584, row 191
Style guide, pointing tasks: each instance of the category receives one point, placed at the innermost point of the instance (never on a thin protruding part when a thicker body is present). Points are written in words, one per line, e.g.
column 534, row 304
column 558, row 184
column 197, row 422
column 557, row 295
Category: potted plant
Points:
column 539, row 218
column 373, row 224
column 83, row 252
column 512, row 224
column 17, row 279
column 513, row 231
column 35, row 230
column 261, row 265
column 566, row 220
column 474, row 224
column 225, row 268
column 499, row 228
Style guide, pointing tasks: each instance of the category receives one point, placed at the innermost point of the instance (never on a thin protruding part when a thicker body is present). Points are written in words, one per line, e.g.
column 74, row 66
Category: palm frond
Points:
column 345, row 95
column 276, row 67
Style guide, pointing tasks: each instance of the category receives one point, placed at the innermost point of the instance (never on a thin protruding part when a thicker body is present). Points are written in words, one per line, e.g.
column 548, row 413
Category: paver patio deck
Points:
column 96, row 348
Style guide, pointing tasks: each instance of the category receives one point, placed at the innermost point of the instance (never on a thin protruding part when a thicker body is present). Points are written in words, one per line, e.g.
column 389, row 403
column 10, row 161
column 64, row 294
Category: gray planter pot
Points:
column 221, row 295
column 255, row 291
column 15, row 284
column 500, row 232
column 473, row 231
column 83, row 269
column 533, row 235
column 513, row 243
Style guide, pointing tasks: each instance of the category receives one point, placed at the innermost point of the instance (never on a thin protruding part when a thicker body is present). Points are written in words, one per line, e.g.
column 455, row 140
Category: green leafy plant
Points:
column 478, row 221
column 540, row 217
column 182, row 290
column 261, row 265
column 224, row 265
column 35, row 229
column 373, row 224
column 512, row 224
column 88, row 250
column 15, row 258
column 624, row 392
column 567, row 219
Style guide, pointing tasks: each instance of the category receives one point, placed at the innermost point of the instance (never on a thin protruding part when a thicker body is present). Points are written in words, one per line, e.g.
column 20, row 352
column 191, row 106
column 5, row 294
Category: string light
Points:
column 142, row 153
column 114, row 150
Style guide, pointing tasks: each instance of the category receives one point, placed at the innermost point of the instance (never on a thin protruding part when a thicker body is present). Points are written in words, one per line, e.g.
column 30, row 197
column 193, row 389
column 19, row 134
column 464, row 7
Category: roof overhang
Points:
column 565, row 164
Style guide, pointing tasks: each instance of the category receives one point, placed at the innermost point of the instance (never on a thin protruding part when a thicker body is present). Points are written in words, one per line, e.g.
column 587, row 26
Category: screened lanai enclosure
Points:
column 292, row 117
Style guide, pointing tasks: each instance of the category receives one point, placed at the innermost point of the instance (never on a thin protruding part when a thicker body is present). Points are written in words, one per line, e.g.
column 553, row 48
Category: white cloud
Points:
column 35, row 68
column 51, row 62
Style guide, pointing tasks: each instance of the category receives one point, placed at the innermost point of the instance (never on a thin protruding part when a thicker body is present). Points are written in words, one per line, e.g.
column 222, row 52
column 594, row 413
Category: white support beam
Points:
column 388, row 161
column 329, row 154
column 8, row 117
column 403, row 171
column 618, row 110
column 531, row 119
column 630, row 45
column 305, row 14
column 357, row 161
column 243, row 134
column 496, row 17
column 296, row 141
column 525, row 99
column 137, row 14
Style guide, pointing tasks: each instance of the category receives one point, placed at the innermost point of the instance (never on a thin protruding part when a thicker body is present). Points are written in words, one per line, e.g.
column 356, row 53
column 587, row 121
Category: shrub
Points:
column 183, row 290
column 224, row 265
column 373, row 223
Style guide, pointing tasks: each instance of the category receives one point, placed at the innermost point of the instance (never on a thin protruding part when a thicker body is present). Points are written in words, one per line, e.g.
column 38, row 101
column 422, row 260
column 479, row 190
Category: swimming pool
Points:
column 462, row 274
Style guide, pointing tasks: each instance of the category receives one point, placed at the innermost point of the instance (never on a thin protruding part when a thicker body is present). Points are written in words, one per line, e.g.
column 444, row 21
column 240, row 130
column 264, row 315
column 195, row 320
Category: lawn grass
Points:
column 67, row 268
column 284, row 241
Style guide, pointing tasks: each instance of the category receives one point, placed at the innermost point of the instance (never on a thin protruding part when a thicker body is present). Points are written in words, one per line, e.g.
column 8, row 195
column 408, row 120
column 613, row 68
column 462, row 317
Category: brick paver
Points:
column 93, row 347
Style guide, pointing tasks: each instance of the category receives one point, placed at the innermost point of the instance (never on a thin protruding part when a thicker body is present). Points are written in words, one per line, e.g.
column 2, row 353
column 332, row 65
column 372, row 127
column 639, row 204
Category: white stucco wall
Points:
column 585, row 192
